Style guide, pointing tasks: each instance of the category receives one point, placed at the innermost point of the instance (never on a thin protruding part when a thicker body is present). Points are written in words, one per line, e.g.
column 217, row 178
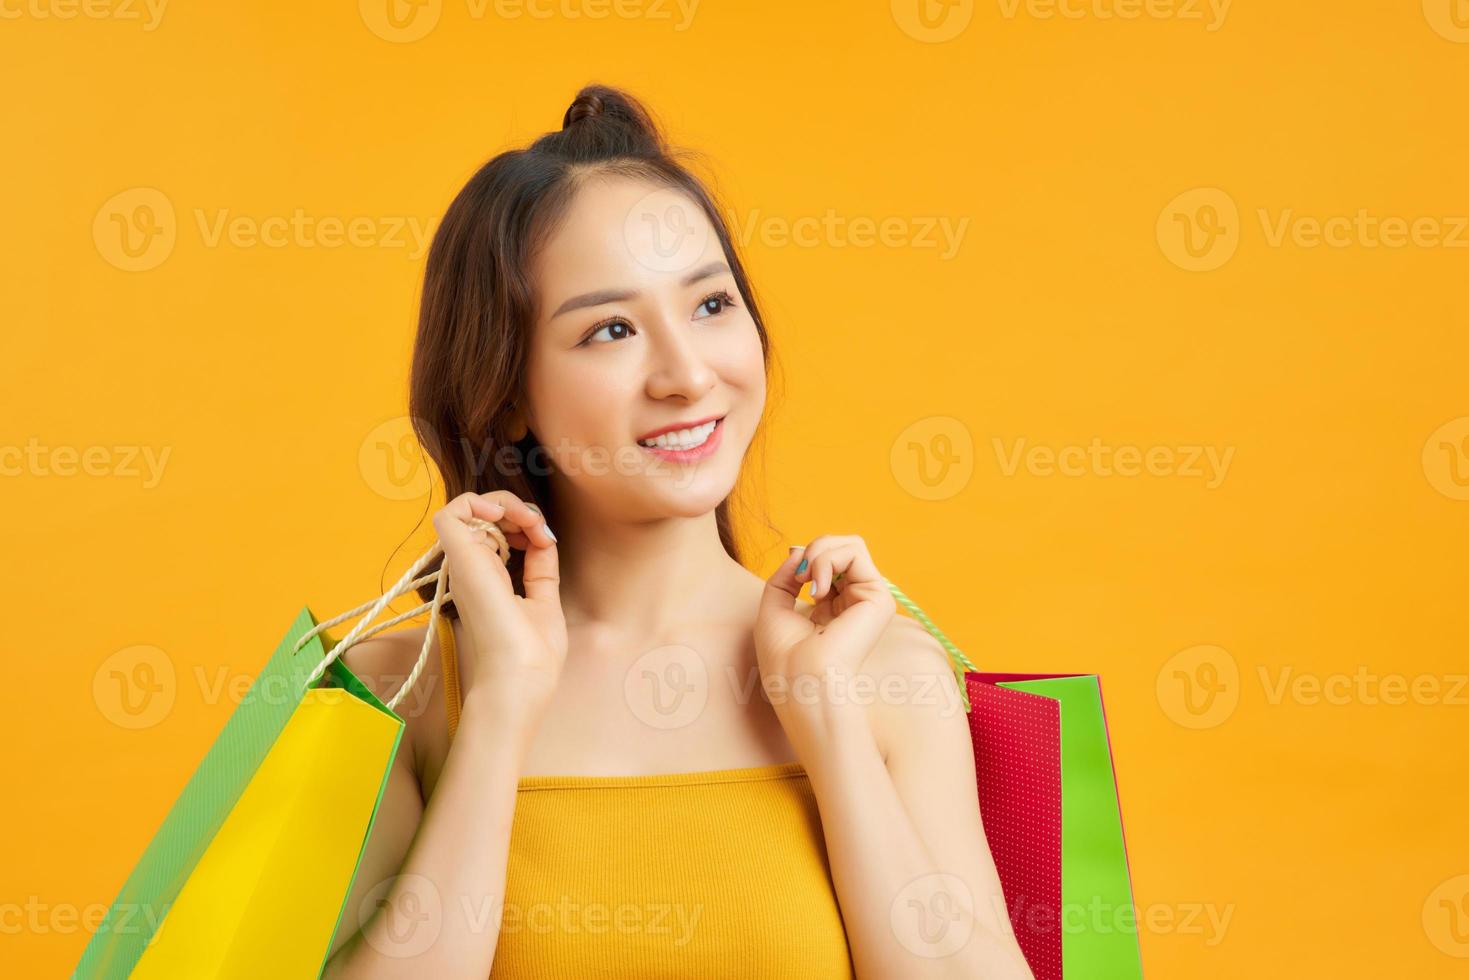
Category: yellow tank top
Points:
column 715, row 874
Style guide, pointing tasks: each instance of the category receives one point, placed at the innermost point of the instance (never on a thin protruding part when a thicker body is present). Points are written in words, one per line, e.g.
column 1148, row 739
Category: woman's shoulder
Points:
column 384, row 662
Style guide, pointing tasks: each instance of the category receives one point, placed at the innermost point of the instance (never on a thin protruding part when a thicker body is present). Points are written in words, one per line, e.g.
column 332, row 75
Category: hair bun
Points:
column 586, row 105
column 613, row 124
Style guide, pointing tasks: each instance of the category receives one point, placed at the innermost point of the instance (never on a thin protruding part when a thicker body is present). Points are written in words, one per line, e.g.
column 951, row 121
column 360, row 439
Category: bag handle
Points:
column 404, row 585
column 957, row 660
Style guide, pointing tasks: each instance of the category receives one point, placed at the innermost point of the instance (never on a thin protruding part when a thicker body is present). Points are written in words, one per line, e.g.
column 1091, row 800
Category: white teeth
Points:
column 682, row 438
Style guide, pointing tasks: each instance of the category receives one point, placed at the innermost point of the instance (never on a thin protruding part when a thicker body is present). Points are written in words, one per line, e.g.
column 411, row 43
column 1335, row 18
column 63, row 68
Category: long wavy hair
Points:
column 478, row 305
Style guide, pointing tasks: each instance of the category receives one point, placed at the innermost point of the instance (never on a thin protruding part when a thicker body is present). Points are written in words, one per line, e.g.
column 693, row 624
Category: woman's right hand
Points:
column 518, row 644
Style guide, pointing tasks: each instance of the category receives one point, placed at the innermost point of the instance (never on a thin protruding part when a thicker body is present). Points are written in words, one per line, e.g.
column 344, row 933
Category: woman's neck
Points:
column 645, row 577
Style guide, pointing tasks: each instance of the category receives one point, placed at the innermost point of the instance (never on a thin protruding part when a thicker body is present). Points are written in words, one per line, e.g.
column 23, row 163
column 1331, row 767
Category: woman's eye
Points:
column 609, row 326
column 711, row 305
column 715, row 303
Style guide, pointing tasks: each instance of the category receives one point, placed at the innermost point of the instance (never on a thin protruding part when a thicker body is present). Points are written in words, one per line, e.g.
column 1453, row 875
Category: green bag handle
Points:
column 957, row 660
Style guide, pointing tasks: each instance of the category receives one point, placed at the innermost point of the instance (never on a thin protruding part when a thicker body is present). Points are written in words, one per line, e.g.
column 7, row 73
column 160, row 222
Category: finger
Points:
column 866, row 603
column 852, row 564
column 811, row 552
column 827, row 566
column 520, row 516
column 465, row 556
column 819, row 554
column 777, row 608
column 542, row 574
column 452, row 523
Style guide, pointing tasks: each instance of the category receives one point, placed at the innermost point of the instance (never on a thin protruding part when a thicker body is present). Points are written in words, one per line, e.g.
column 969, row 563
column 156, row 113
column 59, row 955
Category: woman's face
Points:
column 641, row 326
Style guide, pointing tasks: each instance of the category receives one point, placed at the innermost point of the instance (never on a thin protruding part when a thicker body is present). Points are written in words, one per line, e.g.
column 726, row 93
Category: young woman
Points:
column 641, row 759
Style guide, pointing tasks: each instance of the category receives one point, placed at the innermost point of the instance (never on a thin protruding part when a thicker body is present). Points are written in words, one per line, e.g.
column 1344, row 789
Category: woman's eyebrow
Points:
column 600, row 296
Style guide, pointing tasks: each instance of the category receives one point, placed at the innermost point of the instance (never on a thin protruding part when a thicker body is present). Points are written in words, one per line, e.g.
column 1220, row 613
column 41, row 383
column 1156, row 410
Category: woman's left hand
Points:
column 807, row 664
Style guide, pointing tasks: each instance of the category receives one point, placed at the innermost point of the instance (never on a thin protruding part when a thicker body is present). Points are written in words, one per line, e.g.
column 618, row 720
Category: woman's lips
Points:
column 701, row 451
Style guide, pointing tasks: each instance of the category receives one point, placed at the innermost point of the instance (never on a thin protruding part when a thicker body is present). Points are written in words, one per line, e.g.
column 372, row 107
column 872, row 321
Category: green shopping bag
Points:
column 249, row 872
column 1048, row 794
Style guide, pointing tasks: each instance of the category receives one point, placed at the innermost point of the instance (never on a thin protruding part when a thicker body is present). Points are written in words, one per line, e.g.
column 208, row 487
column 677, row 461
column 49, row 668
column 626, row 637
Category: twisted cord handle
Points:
column 957, row 660
column 407, row 583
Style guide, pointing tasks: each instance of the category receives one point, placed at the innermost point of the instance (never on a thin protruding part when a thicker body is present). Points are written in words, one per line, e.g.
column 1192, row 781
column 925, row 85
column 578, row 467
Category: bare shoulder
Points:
column 384, row 662
column 913, row 691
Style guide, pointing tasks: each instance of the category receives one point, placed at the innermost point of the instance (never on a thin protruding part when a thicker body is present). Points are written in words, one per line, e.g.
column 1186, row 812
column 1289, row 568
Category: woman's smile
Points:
column 686, row 445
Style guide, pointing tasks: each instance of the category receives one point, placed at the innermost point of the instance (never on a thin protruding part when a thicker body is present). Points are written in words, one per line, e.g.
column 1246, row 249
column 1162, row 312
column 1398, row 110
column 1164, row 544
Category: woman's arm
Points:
column 440, row 914
column 435, row 874
column 912, row 870
column 870, row 706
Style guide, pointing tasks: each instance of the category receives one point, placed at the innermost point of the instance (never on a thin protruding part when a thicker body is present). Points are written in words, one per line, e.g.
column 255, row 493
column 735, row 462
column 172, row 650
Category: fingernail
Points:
column 549, row 533
column 801, row 567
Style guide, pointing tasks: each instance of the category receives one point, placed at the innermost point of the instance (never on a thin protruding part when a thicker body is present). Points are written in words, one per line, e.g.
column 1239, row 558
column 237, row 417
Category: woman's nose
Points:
column 679, row 366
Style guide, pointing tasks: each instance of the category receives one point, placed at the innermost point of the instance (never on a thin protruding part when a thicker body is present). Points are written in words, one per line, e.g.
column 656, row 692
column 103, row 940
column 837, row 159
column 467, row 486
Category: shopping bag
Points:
column 1048, row 796
column 249, row 872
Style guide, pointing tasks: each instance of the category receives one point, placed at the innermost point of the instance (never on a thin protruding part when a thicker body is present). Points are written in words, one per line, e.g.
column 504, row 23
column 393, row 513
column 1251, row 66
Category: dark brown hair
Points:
column 478, row 303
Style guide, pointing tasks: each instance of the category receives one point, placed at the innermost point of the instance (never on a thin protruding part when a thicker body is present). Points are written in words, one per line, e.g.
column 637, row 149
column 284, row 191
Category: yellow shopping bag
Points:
column 249, row 872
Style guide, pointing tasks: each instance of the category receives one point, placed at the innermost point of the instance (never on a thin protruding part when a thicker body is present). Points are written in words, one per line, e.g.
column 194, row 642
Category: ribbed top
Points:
column 779, row 770
column 714, row 874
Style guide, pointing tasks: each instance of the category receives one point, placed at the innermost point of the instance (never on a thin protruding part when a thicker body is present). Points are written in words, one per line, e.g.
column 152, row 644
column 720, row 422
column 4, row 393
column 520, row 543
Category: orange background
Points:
column 1081, row 303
